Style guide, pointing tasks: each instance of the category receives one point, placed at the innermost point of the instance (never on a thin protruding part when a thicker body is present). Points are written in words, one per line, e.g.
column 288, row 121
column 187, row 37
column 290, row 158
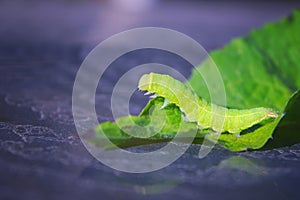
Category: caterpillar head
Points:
column 144, row 82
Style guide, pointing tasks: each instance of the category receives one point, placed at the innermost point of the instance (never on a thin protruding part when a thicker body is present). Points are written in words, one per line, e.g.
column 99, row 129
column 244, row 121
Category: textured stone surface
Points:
column 41, row 155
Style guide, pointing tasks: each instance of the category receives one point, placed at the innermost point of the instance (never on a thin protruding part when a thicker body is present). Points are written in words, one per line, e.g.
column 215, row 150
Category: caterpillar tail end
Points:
column 144, row 82
column 272, row 114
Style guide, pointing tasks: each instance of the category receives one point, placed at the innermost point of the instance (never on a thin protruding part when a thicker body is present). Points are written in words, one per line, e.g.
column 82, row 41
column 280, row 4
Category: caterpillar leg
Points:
column 199, row 127
column 237, row 135
column 184, row 118
column 166, row 102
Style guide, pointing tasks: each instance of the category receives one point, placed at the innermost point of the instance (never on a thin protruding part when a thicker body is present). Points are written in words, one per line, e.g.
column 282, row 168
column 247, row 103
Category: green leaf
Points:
column 162, row 124
column 286, row 131
column 248, row 83
column 259, row 70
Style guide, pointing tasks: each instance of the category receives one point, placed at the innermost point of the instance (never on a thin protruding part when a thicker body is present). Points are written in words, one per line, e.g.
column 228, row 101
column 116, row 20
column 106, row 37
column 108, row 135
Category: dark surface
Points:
column 41, row 156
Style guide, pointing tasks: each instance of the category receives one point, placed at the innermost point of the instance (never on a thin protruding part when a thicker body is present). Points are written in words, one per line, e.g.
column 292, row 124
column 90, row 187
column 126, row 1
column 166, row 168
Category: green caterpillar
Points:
column 195, row 109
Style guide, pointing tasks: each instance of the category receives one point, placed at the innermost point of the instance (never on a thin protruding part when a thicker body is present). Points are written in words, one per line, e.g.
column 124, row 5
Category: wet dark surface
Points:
column 41, row 156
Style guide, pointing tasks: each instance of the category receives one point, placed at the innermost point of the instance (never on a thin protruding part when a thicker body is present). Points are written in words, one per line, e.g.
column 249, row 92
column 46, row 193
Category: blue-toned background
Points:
column 42, row 44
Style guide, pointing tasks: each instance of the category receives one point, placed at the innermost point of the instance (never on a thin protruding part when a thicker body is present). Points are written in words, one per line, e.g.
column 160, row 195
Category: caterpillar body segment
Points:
column 195, row 109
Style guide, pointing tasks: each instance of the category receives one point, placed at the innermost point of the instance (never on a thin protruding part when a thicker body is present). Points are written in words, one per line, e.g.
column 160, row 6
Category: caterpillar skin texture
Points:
column 199, row 110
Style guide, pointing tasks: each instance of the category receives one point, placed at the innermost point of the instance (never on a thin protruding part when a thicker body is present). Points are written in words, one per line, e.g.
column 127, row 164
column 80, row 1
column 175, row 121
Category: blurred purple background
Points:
column 212, row 23
column 43, row 43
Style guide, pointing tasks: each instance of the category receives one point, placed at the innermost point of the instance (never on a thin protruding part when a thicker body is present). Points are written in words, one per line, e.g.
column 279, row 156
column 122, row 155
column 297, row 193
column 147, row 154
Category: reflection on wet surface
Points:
column 42, row 157
column 46, row 147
